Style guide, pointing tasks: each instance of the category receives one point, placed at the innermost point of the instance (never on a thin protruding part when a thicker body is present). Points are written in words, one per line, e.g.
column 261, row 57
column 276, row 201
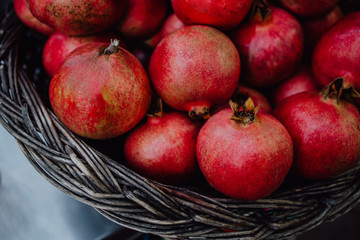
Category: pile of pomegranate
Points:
column 244, row 92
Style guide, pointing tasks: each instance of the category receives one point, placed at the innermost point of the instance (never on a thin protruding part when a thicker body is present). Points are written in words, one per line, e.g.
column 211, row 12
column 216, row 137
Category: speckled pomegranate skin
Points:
column 23, row 12
column 326, row 135
column 60, row 45
column 142, row 18
column 163, row 148
column 224, row 14
column 302, row 81
column 337, row 54
column 270, row 49
column 78, row 17
column 100, row 97
column 309, row 7
column 244, row 162
column 195, row 66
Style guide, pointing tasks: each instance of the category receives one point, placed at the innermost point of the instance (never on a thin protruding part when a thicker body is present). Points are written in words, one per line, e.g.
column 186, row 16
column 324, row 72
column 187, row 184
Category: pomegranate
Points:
column 302, row 81
column 163, row 148
column 80, row 17
column 59, row 45
column 270, row 46
column 100, row 92
column 242, row 94
column 337, row 54
column 171, row 23
column 309, row 7
column 325, row 131
column 224, row 14
column 23, row 12
column 142, row 18
column 244, row 154
column 195, row 67
column 315, row 28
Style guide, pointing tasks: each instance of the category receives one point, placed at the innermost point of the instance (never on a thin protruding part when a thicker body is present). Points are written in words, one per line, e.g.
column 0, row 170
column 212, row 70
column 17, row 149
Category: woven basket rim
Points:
column 138, row 203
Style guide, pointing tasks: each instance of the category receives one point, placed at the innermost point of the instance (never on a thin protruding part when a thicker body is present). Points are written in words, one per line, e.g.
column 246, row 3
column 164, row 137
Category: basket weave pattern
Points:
column 135, row 202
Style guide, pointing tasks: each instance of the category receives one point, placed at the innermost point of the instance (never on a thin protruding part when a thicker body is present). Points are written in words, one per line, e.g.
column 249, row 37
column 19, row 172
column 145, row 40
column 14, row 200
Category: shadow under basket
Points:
column 91, row 176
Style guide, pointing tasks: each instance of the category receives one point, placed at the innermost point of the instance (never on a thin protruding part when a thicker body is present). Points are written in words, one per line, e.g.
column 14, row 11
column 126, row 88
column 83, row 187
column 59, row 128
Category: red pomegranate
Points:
column 142, row 18
column 171, row 23
column 314, row 28
column 270, row 46
column 325, row 132
column 78, row 17
column 163, row 148
column 244, row 154
column 60, row 45
column 337, row 54
column 302, row 81
column 224, row 14
column 100, row 92
column 23, row 12
column 309, row 7
column 194, row 68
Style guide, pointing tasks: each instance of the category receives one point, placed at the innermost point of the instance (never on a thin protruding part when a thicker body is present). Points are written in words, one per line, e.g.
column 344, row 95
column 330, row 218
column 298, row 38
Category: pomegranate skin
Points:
column 23, row 12
column 78, row 17
column 171, row 23
column 244, row 162
column 270, row 49
column 163, row 148
column 224, row 14
column 309, row 7
column 337, row 54
column 326, row 135
column 142, row 18
column 60, row 45
column 194, row 68
column 302, row 81
column 100, row 96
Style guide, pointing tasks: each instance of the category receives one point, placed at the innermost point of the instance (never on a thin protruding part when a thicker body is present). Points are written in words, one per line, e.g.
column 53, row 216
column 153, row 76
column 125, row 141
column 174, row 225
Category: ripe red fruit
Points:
column 337, row 54
column 142, row 18
column 224, row 14
column 194, row 68
column 23, row 12
column 163, row 148
column 325, row 132
column 60, row 45
column 80, row 17
column 246, row 156
column 270, row 47
column 171, row 23
column 309, row 7
column 100, row 92
column 302, row 81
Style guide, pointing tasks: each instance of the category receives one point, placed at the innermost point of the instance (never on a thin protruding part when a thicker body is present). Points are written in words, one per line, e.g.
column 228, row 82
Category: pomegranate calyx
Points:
column 199, row 113
column 261, row 10
column 112, row 48
column 156, row 109
column 337, row 90
column 245, row 113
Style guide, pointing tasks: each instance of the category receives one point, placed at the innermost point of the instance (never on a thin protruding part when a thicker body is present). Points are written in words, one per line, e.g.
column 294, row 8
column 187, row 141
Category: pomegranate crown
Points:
column 245, row 113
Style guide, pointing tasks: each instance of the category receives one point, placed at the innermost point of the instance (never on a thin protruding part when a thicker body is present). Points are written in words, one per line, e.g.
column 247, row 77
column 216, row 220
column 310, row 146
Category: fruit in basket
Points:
column 270, row 46
column 60, row 45
column 142, row 18
column 194, row 68
column 80, row 17
column 224, row 14
column 171, row 23
column 302, row 81
column 163, row 148
column 244, row 154
column 23, row 12
column 337, row 54
column 100, row 91
column 309, row 7
column 325, row 131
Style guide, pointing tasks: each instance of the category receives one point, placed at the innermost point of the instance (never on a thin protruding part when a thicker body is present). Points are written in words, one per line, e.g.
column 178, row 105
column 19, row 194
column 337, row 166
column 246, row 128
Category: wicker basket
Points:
column 89, row 176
